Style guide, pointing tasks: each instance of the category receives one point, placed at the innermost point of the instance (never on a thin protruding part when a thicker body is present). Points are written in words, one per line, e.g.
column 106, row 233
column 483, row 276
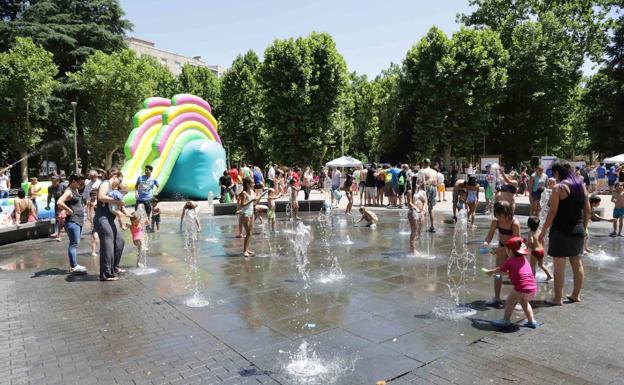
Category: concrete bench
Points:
column 280, row 207
column 25, row 231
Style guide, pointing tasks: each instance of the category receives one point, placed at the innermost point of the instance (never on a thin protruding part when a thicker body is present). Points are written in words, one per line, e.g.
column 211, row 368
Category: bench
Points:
column 280, row 207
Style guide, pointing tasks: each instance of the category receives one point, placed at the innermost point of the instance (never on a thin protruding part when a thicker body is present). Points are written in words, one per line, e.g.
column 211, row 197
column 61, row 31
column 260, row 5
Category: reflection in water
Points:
column 325, row 231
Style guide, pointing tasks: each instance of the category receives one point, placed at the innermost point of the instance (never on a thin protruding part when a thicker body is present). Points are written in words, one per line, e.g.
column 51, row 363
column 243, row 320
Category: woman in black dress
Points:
column 567, row 221
column 111, row 240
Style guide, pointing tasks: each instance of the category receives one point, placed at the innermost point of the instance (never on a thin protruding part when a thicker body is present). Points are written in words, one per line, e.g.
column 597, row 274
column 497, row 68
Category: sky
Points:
column 369, row 34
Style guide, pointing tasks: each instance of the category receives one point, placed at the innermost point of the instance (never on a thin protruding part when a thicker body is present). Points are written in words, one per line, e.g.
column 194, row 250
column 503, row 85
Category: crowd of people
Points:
column 561, row 207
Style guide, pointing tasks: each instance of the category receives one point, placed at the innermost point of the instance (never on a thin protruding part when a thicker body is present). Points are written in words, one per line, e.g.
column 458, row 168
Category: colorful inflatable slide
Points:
column 179, row 138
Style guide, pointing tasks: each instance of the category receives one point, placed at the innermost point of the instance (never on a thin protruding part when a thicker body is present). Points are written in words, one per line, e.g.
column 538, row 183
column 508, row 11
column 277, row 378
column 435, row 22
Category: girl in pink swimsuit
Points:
column 136, row 228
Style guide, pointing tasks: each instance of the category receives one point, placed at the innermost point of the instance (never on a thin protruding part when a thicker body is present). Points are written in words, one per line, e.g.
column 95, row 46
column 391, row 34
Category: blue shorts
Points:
column 334, row 188
column 618, row 212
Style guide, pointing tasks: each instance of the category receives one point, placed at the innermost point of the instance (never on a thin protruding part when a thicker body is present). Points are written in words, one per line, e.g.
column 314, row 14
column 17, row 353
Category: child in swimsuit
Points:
column 507, row 227
column 118, row 209
column 369, row 216
column 294, row 203
column 271, row 207
column 472, row 198
column 155, row 215
column 537, row 249
column 416, row 217
column 136, row 229
column 522, row 279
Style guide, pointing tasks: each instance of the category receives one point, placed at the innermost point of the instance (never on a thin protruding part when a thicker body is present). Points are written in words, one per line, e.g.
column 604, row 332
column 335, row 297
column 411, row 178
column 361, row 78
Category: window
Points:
column 163, row 61
column 178, row 65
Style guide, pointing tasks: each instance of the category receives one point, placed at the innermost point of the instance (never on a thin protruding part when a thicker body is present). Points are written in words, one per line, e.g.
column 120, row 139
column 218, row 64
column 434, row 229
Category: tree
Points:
column 366, row 102
column 201, row 81
column 604, row 99
column 389, row 139
column 547, row 41
column 449, row 88
column 303, row 81
column 585, row 22
column 26, row 83
column 112, row 88
column 71, row 29
column 241, row 109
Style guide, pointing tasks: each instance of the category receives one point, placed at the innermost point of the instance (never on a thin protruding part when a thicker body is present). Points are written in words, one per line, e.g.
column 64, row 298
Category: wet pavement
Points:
column 375, row 322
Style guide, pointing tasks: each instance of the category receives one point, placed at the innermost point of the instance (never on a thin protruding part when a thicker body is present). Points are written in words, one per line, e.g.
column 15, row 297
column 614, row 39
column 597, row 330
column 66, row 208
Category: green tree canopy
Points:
column 449, row 88
column 27, row 74
column 241, row 109
column 604, row 99
column 112, row 88
column 303, row 81
column 70, row 29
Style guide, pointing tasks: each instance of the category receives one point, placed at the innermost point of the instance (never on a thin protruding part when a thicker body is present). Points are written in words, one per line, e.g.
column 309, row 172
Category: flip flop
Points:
column 569, row 297
column 548, row 302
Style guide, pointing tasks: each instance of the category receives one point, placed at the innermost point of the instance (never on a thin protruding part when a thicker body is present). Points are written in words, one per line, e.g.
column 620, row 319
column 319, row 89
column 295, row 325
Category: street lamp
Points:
column 74, row 104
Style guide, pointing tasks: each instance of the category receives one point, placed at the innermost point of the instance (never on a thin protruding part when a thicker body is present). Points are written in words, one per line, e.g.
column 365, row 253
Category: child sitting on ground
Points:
column 618, row 210
column 369, row 216
column 537, row 249
column 155, row 215
column 522, row 279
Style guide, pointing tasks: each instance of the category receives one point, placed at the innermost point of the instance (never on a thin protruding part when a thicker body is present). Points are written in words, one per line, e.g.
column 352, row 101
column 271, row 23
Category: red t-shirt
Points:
column 234, row 175
column 520, row 274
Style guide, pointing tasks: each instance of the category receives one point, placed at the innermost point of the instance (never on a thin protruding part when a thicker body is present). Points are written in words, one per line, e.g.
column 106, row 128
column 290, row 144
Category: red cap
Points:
column 517, row 245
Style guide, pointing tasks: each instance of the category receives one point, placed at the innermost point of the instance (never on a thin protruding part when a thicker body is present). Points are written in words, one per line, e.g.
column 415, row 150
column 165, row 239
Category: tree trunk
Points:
column 447, row 155
column 108, row 163
column 24, row 165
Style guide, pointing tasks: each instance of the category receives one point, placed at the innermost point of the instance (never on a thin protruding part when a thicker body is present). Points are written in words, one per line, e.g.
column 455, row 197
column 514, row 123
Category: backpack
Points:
column 401, row 180
column 388, row 177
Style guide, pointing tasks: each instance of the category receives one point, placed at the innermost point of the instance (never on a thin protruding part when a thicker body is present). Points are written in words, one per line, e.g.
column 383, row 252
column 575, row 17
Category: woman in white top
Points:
column 307, row 182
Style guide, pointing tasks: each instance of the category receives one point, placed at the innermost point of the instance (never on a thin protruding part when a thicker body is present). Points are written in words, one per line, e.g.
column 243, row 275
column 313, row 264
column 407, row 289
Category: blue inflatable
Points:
column 197, row 171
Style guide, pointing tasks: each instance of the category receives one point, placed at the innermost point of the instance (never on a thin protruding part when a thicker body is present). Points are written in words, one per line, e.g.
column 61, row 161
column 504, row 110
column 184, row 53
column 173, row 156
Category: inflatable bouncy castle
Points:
column 178, row 138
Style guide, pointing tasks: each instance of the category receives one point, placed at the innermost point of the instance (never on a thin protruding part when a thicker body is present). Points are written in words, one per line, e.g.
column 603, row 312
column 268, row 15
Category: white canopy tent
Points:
column 344, row 161
column 615, row 159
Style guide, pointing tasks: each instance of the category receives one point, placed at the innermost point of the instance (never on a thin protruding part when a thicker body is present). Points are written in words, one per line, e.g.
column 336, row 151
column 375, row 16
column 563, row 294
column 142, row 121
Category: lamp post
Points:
column 74, row 104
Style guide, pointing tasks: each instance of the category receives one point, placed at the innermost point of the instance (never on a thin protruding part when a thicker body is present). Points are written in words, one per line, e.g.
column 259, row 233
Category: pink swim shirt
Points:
column 520, row 274
column 137, row 232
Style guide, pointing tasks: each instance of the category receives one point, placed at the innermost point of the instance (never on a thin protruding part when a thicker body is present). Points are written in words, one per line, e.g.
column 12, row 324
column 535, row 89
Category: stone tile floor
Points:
column 375, row 324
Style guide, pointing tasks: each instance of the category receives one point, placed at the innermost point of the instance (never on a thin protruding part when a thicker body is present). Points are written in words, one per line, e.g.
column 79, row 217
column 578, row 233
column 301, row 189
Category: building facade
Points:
column 171, row 60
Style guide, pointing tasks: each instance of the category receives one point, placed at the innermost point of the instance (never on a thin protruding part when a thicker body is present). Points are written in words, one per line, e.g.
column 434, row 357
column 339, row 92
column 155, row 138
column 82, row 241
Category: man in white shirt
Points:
column 271, row 177
column 335, row 179
column 92, row 184
column 5, row 184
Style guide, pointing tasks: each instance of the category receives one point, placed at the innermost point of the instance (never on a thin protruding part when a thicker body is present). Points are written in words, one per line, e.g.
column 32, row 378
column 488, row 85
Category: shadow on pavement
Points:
column 49, row 272
column 485, row 325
